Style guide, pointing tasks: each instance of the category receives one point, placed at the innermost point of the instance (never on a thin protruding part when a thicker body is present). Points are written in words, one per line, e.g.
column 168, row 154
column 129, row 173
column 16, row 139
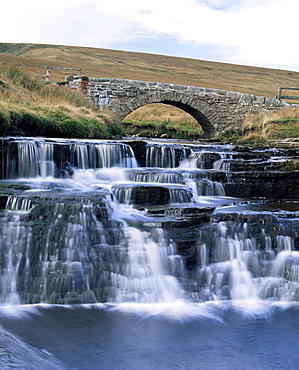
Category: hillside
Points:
column 30, row 109
column 96, row 62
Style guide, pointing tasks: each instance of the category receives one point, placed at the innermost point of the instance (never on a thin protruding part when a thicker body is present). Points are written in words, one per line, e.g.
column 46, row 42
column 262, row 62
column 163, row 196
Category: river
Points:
column 147, row 254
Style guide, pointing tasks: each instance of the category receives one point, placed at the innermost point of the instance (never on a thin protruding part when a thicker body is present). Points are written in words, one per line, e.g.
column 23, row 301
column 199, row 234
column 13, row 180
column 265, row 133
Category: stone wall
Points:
column 215, row 110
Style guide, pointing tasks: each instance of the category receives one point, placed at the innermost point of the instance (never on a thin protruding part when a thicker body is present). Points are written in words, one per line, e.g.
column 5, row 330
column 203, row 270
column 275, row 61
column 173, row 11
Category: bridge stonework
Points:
column 215, row 110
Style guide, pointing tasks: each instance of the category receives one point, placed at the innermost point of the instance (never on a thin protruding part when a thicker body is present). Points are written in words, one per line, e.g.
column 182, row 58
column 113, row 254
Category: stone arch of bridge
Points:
column 196, row 112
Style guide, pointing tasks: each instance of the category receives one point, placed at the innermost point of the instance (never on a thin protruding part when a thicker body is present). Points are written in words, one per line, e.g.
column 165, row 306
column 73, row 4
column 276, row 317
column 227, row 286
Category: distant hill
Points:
column 96, row 62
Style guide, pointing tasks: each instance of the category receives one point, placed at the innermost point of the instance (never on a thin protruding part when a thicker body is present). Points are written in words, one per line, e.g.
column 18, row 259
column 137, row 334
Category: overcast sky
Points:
column 250, row 32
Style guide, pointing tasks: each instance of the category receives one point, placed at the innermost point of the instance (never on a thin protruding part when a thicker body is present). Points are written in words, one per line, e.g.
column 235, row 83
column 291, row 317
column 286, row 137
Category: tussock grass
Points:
column 32, row 107
column 20, row 88
column 264, row 127
column 261, row 120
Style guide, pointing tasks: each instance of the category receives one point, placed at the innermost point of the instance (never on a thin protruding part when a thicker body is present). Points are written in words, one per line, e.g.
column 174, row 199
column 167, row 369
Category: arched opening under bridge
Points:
column 167, row 119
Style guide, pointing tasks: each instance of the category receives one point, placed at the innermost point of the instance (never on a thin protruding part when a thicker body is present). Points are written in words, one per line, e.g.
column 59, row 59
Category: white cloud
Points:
column 252, row 32
column 257, row 32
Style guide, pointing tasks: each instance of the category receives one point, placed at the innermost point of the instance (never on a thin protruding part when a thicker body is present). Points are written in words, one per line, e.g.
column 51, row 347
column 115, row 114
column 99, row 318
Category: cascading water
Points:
column 83, row 224
column 14, row 242
column 228, row 274
column 46, row 161
column 155, row 176
column 29, row 159
column 84, row 156
column 145, row 279
column 160, row 156
column 32, row 158
column 18, row 204
column 88, row 265
column 223, row 163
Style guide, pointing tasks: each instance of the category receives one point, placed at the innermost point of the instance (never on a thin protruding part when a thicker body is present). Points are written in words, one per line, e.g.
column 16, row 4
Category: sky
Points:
column 259, row 33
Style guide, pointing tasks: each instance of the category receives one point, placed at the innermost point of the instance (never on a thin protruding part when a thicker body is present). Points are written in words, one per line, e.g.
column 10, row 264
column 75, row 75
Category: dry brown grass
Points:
column 140, row 66
column 261, row 119
column 162, row 113
column 19, row 91
column 31, row 107
column 150, row 67
column 266, row 126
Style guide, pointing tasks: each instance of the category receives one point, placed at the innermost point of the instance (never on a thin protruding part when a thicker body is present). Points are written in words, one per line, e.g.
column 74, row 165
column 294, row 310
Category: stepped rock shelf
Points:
column 144, row 221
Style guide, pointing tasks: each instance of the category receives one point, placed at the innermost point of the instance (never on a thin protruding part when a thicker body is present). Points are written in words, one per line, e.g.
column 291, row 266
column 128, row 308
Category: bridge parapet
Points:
column 215, row 110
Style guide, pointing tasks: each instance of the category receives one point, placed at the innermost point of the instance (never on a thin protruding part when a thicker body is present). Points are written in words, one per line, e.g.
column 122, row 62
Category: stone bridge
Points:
column 215, row 110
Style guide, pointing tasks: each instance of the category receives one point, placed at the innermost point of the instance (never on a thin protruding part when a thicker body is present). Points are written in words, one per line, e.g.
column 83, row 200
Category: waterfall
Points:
column 236, row 268
column 164, row 156
column 152, row 194
column 146, row 279
column 79, row 157
column 195, row 160
column 15, row 238
column 18, row 204
column 33, row 159
column 46, row 160
column 103, row 155
column 183, row 195
column 208, row 187
column 123, row 194
column 201, row 159
column 80, row 222
column 156, row 176
column 160, row 157
column 224, row 163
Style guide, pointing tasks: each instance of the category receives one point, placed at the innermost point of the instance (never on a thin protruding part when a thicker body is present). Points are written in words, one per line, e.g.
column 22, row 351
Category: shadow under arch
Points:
column 195, row 113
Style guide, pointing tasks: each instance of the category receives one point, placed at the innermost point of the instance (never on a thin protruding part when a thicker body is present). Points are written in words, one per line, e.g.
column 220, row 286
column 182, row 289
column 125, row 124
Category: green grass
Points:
column 285, row 128
column 261, row 132
column 161, row 129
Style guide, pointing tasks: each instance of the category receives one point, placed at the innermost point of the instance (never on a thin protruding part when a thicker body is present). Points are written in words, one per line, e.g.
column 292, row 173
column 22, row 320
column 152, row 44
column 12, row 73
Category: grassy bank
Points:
column 156, row 120
column 32, row 107
column 262, row 129
column 35, row 108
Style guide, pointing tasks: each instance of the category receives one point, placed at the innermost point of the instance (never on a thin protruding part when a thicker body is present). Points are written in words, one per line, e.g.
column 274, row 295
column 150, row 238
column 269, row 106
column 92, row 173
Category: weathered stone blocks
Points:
column 215, row 110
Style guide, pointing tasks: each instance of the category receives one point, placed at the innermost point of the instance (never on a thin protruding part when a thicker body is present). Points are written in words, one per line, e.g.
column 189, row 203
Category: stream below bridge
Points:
column 148, row 254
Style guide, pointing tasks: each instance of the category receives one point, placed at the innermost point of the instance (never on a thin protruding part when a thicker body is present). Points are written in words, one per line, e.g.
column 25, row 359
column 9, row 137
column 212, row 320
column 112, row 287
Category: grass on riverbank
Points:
column 35, row 108
column 32, row 107
column 156, row 120
column 263, row 128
